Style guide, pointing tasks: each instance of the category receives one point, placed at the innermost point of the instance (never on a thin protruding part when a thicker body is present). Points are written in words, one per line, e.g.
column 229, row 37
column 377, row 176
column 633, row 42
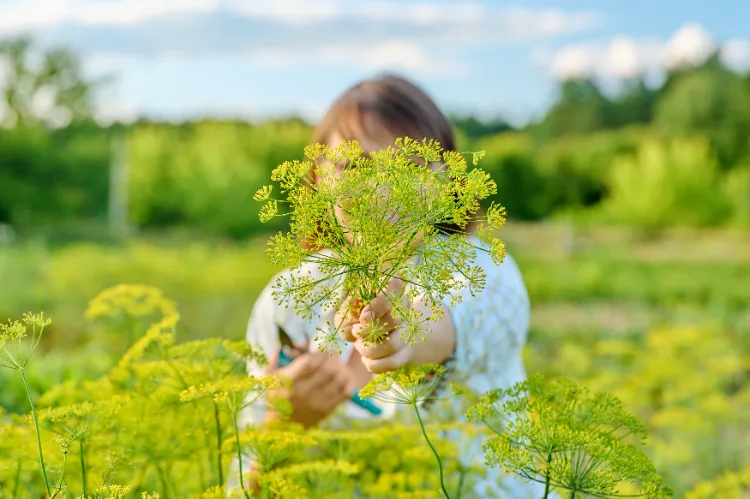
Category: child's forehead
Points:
column 369, row 144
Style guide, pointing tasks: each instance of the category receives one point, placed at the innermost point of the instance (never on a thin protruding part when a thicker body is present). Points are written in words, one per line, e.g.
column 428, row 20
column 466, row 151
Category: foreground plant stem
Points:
column 18, row 479
column 36, row 427
column 83, row 467
column 461, row 477
column 163, row 479
column 218, row 445
column 61, row 481
column 434, row 451
column 547, row 476
column 239, row 454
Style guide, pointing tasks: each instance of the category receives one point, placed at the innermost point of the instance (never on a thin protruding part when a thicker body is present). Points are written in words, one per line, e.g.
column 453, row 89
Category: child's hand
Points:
column 389, row 353
column 346, row 317
column 320, row 382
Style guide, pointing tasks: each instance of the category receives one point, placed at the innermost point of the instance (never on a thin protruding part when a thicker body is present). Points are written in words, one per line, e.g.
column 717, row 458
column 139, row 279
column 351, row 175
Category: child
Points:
column 479, row 340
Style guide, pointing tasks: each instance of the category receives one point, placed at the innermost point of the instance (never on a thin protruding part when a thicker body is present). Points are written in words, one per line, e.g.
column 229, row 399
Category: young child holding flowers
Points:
column 479, row 340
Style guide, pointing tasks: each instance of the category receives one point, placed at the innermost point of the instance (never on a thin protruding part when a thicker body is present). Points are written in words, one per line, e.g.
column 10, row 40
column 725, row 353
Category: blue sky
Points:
column 178, row 59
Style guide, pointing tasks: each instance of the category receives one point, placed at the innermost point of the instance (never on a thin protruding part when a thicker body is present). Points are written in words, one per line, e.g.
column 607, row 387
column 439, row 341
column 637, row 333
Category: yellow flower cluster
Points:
column 161, row 332
column 404, row 378
column 731, row 485
column 113, row 491
column 220, row 390
column 135, row 300
column 128, row 426
column 13, row 330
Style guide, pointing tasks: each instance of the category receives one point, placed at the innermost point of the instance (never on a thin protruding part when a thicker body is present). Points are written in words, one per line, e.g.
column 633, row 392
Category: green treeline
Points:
column 672, row 155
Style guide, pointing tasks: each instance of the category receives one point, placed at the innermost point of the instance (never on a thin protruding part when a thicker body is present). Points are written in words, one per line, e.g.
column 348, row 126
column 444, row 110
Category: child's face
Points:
column 368, row 146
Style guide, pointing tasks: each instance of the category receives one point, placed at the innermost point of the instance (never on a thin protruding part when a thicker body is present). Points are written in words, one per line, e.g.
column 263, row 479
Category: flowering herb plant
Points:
column 398, row 213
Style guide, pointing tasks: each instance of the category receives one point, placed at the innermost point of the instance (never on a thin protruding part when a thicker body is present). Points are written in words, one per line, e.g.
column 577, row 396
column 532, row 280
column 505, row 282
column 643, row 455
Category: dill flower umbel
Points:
column 136, row 300
column 557, row 433
column 235, row 393
column 16, row 346
column 314, row 479
column 273, row 447
column 393, row 214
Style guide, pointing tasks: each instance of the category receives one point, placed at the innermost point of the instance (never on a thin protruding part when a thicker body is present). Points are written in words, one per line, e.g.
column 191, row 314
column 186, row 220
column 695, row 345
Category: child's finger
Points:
column 381, row 306
column 385, row 324
column 273, row 362
column 389, row 346
column 387, row 364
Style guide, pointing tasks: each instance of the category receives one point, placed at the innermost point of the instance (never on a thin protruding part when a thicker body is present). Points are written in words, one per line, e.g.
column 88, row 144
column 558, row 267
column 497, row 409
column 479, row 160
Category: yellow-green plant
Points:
column 127, row 305
column 410, row 385
column 688, row 385
column 382, row 216
column 149, row 426
column 557, row 433
column 157, row 420
column 16, row 348
column 730, row 485
column 232, row 395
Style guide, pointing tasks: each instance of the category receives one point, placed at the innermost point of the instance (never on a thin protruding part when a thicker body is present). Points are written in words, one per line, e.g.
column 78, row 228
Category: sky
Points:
column 250, row 59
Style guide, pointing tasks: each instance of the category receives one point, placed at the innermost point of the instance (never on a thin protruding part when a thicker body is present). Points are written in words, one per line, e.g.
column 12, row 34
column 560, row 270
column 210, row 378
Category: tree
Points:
column 710, row 100
column 635, row 104
column 580, row 108
column 475, row 129
column 46, row 88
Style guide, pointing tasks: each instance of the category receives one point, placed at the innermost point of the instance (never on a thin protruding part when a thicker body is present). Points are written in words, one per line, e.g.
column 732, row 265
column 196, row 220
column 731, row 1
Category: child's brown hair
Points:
column 384, row 109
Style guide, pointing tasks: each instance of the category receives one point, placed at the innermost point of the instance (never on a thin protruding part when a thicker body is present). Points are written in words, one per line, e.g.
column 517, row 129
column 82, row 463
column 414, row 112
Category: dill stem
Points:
column 36, row 427
column 163, row 480
column 83, row 467
column 18, row 478
column 239, row 454
column 547, row 476
column 218, row 445
column 437, row 456
column 461, row 477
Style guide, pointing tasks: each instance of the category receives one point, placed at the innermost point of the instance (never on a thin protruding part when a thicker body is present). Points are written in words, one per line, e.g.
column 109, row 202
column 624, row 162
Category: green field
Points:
column 659, row 319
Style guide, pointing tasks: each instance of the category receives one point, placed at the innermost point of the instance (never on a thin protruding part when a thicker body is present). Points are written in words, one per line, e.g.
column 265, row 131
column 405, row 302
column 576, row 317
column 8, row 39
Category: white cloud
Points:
column 303, row 12
column 621, row 57
column 35, row 15
column 628, row 57
column 690, row 45
column 110, row 108
column 545, row 22
column 391, row 55
column 736, row 54
column 468, row 21
column 423, row 36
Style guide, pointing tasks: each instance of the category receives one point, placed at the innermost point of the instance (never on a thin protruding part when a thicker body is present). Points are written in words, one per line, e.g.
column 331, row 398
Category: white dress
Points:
column 491, row 330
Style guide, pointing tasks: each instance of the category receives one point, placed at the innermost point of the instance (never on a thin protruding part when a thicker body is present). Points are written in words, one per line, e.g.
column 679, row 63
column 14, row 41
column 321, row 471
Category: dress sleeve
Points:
column 491, row 329
column 262, row 332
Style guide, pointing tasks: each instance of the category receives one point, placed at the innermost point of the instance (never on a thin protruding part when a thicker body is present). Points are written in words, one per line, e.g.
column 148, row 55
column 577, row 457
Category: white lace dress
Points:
column 491, row 330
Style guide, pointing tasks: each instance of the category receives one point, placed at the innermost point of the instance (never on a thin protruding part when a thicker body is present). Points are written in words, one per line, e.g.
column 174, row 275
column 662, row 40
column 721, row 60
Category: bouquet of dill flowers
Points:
column 397, row 213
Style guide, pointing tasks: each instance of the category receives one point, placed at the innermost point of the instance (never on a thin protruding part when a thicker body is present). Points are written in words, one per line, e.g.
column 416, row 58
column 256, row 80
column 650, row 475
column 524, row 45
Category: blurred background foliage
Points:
column 629, row 216
column 644, row 157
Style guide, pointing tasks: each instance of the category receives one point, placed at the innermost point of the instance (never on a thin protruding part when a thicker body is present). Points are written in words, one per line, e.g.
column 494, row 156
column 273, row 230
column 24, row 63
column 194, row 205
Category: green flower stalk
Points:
column 410, row 385
column 233, row 394
column 380, row 216
column 313, row 480
column 71, row 424
column 557, row 433
column 15, row 353
column 271, row 447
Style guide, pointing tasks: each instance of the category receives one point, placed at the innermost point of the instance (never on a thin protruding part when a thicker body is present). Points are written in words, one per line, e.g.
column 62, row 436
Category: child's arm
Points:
column 393, row 353
column 481, row 337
